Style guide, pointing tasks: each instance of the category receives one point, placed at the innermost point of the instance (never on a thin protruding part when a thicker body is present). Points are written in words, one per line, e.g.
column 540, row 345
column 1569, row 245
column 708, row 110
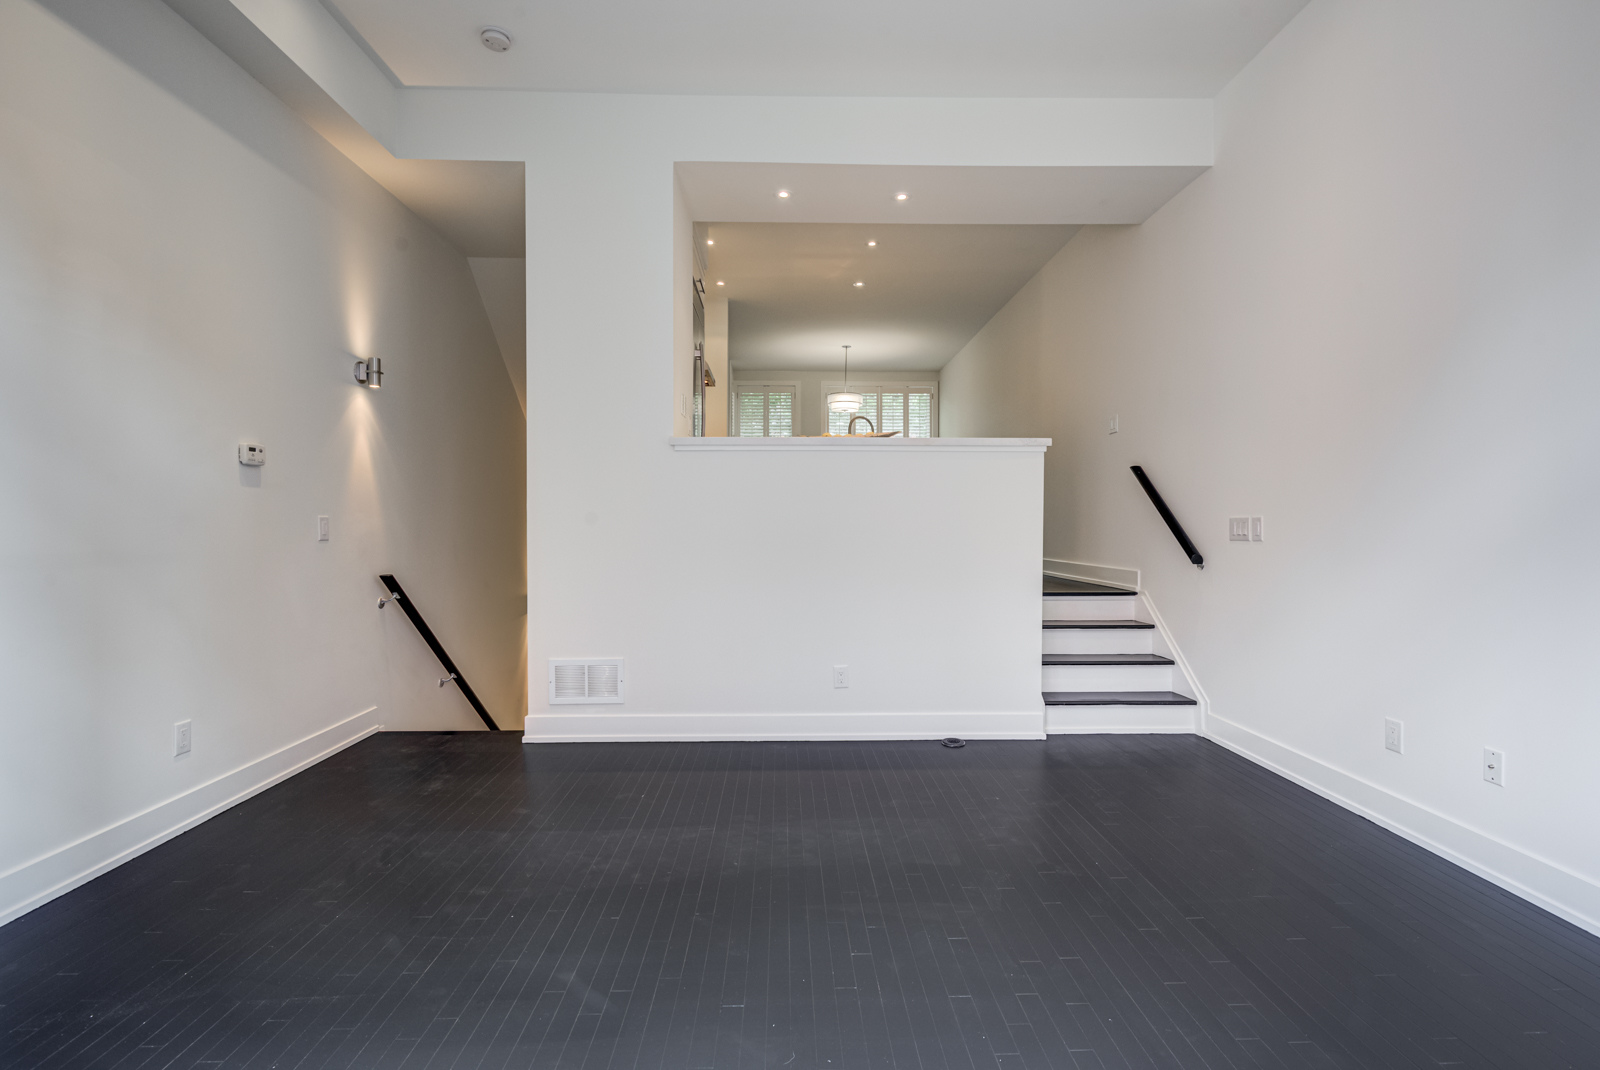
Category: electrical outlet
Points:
column 841, row 676
column 322, row 529
column 1257, row 529
column 1238, row 529
column 1394, row 735
column 180, row 738
column 1494, row 766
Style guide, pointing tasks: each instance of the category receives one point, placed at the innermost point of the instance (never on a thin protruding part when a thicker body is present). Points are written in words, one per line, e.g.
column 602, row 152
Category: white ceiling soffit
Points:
column 934, row 48
column 476, row 205
column 866, row 193
column 927, row 289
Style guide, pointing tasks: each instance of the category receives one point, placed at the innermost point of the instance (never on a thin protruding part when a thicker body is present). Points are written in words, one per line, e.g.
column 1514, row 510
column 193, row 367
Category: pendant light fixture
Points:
column 844, row 400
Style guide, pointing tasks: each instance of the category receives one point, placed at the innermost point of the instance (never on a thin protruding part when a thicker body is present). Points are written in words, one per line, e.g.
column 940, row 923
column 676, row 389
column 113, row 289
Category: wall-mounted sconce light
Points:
column 370, row 372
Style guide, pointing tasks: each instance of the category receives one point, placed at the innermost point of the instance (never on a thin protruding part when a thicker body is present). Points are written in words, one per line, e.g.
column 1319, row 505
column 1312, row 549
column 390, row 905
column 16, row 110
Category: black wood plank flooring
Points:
column 463, row 901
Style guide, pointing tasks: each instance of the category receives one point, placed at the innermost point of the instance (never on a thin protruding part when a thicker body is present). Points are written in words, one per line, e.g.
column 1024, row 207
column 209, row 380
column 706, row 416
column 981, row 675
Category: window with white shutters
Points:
column 909, row 408
column 765, row 410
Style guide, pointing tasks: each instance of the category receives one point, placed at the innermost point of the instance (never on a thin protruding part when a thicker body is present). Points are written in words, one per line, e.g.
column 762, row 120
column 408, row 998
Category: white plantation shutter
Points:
column 764, row 411
column 901, row 407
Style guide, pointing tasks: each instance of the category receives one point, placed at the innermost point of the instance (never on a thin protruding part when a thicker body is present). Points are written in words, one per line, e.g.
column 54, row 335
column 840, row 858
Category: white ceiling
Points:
column 866, row 193
column 928, row 289
column 955, row 48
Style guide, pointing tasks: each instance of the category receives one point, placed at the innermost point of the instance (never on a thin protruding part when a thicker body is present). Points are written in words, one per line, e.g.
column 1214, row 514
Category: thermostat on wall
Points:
column 252, row 453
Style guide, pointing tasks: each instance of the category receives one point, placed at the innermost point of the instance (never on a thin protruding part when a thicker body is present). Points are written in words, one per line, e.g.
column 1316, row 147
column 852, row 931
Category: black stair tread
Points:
column 1116, row 698
column 1056, row 587
column 1106, row 659
column 1098, row 624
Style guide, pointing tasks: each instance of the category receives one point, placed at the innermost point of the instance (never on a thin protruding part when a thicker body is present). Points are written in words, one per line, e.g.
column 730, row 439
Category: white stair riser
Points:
column 1098, row 641
column 1095, row 719
column 1107, row 678
column 1091, row 608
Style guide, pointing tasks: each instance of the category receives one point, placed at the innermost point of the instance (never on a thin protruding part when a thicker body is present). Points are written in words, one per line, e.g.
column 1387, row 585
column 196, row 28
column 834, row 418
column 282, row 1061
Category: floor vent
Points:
column 585, row 680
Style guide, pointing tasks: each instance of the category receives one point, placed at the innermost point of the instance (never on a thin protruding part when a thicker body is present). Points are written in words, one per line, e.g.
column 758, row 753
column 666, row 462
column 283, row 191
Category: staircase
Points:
column 1105, row 668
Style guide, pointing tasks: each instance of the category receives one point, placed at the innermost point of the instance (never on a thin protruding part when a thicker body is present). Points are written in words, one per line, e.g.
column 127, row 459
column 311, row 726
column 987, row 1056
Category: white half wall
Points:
column 185, row 266
column 1372, row 323
column 913, row 562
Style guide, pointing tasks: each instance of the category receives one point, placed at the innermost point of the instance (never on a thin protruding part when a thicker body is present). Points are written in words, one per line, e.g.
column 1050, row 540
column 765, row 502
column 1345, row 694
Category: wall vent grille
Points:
column 585, row 680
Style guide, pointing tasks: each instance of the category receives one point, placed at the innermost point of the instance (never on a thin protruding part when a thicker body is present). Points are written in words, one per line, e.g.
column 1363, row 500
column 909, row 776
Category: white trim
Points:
column 930, row 385
column 36, row 882
column 1202, row 705
column 591, row 727
column 1110, row 575
column 1119, row 720
column 840, row 442
column 1570, row 895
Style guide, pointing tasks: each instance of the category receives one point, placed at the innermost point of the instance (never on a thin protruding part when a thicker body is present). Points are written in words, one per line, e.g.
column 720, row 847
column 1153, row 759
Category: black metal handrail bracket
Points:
column 1166, row 514
column 398, row 594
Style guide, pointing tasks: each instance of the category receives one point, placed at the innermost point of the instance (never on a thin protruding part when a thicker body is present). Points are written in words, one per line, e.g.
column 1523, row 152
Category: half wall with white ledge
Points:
column 913, row 564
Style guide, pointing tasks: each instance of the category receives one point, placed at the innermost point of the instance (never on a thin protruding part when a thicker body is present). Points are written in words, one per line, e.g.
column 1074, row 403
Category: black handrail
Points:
column 432, row 640
column 1166, row 514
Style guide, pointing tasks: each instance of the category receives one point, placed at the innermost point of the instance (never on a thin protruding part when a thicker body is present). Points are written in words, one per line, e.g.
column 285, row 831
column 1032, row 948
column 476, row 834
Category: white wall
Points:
column 811, row 391
column 620, row 568
column 183, row 266
column 503, row 285
column 1374, row 323
column 827, row 552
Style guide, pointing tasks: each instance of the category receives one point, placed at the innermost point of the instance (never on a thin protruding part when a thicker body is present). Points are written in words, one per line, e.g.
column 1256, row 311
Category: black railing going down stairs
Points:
column 398, row 594
column 1166, row 514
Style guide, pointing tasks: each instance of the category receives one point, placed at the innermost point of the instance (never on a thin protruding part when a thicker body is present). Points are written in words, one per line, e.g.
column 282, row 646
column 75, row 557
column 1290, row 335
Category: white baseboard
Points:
column 1118, row 720
column 1545, row 883
column 1080, row 570
column 36, row 882
column 755, row 727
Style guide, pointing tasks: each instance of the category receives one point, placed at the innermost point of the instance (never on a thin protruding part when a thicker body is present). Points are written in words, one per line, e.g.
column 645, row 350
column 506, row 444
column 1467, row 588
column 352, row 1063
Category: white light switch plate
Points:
column 322, row 529
column 1238, row 529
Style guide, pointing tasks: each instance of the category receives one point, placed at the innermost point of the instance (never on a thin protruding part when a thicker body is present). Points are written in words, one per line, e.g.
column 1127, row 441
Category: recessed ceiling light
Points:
column 860, row 284
column 783, row 193
column 899, row 196
column 710, row 242
column 495, row 39
column 872, row 243
column 719, row 282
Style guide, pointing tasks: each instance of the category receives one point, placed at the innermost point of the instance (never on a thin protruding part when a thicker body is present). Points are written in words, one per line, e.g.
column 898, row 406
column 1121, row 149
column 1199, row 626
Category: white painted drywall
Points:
column 811, row 382
column 629, row 550
column 813, row 553
column 184, row 265
column 503, row 284
column 1373, row 323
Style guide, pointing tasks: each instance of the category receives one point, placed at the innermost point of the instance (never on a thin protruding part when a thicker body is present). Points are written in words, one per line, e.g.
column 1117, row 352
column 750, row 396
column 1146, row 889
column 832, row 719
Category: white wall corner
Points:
column 1547, row 884
column 39, row 880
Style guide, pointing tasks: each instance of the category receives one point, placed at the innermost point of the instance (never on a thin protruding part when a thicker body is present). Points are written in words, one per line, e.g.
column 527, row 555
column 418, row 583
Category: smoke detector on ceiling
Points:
column 495, row 39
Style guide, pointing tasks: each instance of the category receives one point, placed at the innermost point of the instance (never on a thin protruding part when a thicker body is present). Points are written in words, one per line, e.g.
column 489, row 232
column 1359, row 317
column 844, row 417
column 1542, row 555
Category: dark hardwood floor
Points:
column 464, row 901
